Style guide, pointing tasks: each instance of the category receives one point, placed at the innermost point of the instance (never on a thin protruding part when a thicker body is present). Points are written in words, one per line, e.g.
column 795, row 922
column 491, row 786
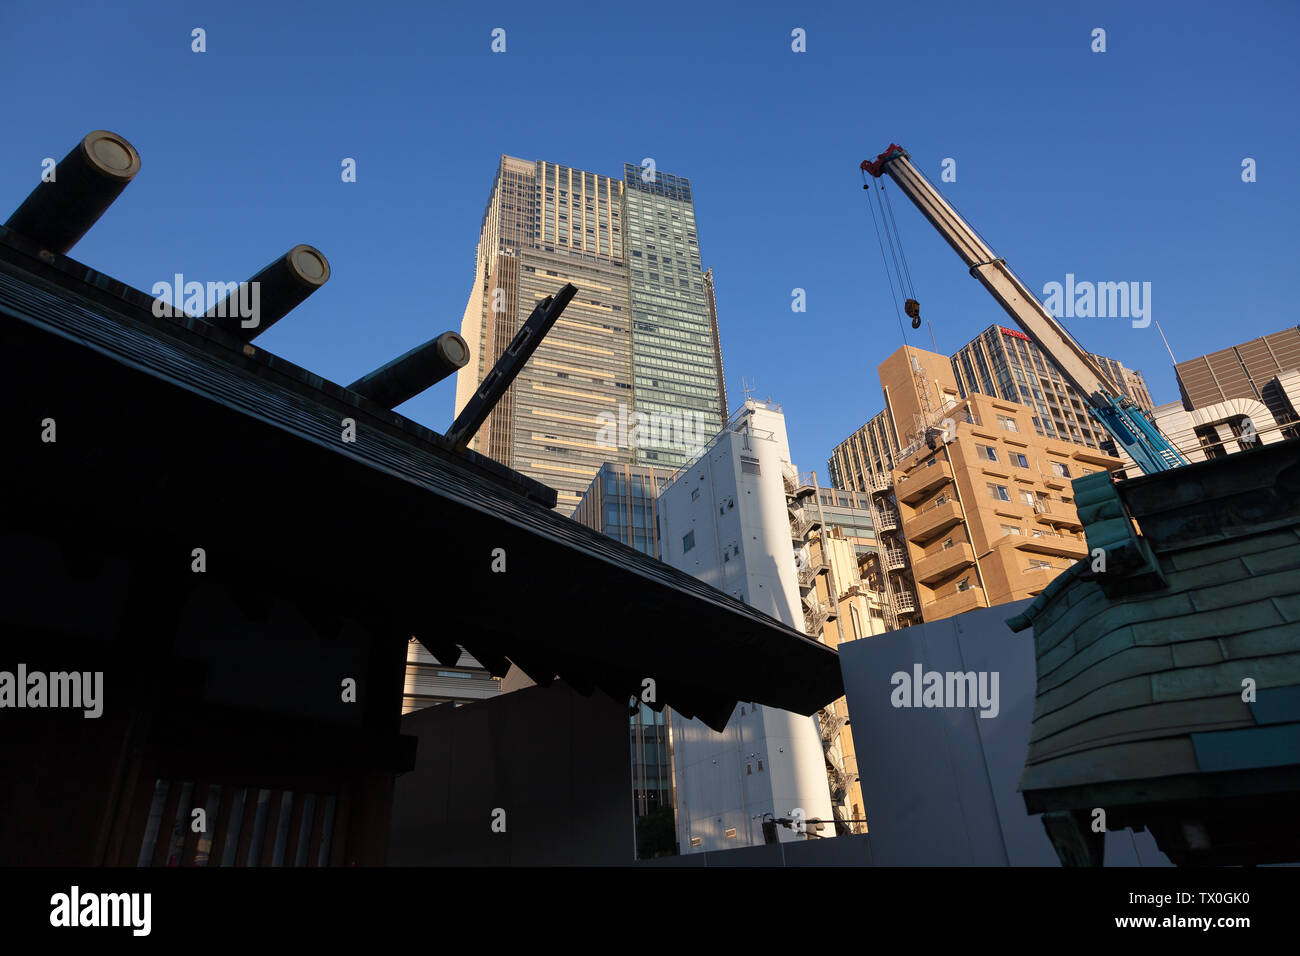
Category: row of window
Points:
column 989, row 453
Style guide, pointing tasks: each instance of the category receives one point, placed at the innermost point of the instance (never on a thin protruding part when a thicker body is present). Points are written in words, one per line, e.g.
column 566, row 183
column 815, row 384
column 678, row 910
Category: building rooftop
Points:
column 1170, row 672
column 168, row 424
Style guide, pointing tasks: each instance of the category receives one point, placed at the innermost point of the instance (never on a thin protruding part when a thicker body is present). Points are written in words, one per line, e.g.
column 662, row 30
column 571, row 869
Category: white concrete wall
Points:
column 1179, row 425
column 742, row 546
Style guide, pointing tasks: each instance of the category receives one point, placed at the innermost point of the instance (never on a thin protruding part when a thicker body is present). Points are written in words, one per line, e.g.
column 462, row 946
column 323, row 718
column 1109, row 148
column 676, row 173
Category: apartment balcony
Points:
column 943, row 563
column 923, row 481
column 929, row 524
column 887, row 520
column 1093, row 456
column 1067, row 518
column 1052, row 543
column 955, row 603
column 1033, row 580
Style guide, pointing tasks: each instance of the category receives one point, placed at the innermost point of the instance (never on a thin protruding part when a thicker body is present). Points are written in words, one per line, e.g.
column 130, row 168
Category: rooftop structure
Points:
column 200, row 550
column 1169, row 665
column 1243, row 371
column 1236, row 398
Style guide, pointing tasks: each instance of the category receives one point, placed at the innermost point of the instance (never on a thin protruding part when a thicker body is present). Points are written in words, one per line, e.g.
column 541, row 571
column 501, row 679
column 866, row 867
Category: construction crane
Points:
column 1120, row 415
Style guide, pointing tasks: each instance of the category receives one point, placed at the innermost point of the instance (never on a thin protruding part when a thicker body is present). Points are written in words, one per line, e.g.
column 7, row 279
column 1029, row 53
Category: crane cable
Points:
column 884, row 260
column 911, row 289
column 901, row 267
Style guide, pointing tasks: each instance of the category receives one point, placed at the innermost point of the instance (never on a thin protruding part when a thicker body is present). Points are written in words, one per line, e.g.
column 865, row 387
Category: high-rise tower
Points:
column 631, row 372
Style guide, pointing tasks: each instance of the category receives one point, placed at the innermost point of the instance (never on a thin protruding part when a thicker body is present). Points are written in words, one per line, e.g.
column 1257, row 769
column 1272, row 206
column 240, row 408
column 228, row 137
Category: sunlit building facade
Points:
column 631, row 372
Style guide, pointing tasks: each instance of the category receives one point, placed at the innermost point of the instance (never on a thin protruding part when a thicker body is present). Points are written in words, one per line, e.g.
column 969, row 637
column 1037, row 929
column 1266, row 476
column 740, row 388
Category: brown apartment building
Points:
column 974, row 507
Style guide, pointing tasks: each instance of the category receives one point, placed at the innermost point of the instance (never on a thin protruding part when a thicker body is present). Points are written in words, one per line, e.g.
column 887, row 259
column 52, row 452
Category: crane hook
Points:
column 913, row 309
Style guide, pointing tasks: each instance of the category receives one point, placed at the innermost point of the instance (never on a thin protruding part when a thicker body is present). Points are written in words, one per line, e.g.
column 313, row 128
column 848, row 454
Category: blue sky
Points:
column 1115, row 166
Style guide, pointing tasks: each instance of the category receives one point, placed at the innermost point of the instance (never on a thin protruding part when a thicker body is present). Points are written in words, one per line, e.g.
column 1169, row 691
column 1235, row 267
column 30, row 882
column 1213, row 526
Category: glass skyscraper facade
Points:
column 621, row 503
column 1005, row 363
column 631, row 372
column 675, row 350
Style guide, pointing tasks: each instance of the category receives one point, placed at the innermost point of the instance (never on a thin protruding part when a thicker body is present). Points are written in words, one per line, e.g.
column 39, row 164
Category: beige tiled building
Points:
column 974, row 507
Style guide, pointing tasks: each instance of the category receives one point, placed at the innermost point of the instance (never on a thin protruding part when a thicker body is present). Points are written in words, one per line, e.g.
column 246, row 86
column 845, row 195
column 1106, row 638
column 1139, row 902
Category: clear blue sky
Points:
column 1119, row 166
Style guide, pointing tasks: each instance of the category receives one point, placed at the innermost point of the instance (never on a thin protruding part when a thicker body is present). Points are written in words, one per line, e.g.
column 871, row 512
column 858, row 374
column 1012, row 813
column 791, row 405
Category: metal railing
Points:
column 802, row 520
column 810, row 571
column 734, row 423
column 831, row 725
column 966, row 415
column 814, row 617
column 790, row 476
column 933, row 505
column 840, row 781
column 895, row 559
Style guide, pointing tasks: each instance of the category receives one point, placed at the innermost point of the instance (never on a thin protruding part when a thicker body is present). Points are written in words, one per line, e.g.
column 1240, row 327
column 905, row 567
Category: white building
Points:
column 1219, row 429
column 724, row 520
column 430, row 682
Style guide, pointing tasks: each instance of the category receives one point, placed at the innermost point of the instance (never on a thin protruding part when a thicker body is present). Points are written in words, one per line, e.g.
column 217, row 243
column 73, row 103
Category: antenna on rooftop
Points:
column 1166, row 341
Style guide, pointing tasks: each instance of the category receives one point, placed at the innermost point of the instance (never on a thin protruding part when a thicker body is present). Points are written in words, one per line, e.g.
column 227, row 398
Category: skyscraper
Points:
column 1005, row 363
column 675, row 349
column 631, row 372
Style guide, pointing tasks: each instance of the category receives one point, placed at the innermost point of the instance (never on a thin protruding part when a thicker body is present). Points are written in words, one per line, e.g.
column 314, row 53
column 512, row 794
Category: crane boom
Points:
column 1107, row 402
